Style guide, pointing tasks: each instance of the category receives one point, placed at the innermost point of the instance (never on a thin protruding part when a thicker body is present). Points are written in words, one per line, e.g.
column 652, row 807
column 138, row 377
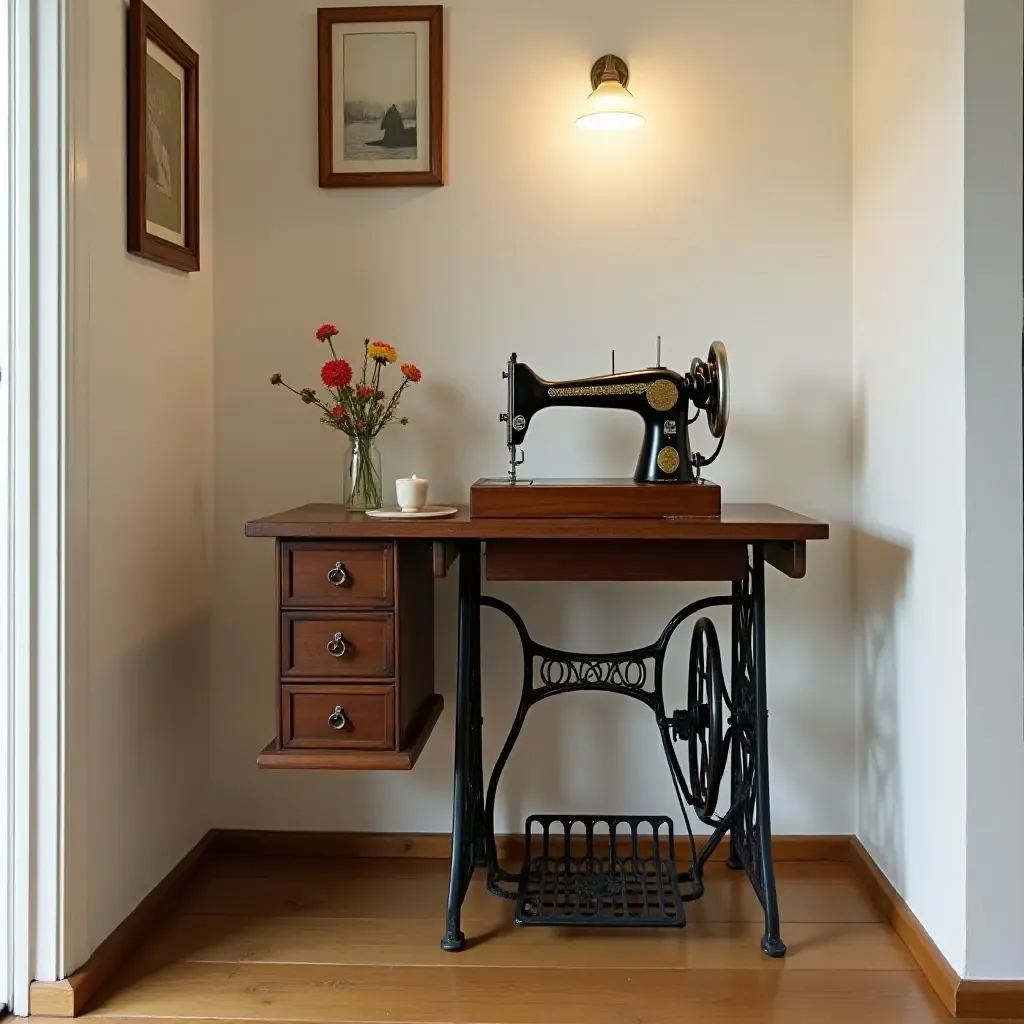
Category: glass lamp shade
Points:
column 611, row 107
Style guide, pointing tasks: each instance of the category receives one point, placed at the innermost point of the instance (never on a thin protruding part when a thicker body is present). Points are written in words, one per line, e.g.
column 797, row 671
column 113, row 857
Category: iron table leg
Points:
column 734, row 862
column 771, row 943
column 467, row 804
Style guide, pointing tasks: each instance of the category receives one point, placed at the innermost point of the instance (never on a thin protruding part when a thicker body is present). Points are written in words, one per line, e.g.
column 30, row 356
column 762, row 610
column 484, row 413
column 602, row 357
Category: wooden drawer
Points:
column 358, row 575
column 354, row 645
column 333, row 717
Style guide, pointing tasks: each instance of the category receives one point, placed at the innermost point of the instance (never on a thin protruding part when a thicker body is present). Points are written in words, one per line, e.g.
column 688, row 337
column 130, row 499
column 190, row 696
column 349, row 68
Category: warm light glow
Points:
column 610, row 108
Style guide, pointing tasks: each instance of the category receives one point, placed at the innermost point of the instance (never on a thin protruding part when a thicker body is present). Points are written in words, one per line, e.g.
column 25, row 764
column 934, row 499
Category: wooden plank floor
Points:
column 326, row 940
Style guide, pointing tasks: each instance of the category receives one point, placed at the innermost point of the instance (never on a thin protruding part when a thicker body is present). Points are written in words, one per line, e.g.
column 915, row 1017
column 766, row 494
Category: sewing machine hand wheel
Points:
column 714, row 372
column 707, row 734
column 718, row 403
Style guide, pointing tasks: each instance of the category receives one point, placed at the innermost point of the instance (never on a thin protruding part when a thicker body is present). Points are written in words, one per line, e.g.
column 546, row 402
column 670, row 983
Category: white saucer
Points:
column 427, row 512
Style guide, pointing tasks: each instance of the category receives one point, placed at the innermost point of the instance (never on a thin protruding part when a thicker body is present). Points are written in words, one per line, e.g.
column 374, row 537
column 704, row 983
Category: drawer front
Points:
column 327, row 575
column 352, row 717
column 359, row 645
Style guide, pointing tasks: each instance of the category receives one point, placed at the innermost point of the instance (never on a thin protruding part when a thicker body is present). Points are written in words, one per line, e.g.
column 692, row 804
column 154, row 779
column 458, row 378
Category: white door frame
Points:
column 6, row 691
column 40, row 493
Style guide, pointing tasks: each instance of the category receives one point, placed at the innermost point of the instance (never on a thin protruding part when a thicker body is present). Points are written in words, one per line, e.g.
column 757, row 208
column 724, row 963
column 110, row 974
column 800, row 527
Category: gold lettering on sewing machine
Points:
column 668, row 460
column 662, row 394
column 597, row 390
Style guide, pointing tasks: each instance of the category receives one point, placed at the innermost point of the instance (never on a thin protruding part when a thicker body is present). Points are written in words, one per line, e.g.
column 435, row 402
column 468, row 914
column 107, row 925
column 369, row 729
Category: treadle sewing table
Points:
column 355, row 664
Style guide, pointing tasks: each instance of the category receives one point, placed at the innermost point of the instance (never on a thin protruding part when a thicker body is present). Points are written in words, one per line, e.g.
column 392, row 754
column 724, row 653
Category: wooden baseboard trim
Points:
column 437, row 845
column 51, row 999
column 993, row 1000
column 964, row 998
column 936, row 968
column 70, row 997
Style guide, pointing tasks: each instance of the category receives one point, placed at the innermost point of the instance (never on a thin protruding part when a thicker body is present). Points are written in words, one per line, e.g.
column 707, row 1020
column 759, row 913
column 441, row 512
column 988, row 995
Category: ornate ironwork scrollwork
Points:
column 630, row 674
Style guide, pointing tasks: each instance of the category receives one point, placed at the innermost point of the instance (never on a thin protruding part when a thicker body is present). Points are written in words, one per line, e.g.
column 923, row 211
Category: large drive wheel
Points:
column 707, row 734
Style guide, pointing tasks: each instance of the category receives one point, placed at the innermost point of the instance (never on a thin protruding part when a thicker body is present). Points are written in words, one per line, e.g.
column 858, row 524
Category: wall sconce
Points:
column 611, row 106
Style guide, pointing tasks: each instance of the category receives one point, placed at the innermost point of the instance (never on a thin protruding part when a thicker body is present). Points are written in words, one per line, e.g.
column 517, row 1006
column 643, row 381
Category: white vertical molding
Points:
column 38, row 430
column 21, row 524
column 50, row 315
column 21, row 504
column 6, row 492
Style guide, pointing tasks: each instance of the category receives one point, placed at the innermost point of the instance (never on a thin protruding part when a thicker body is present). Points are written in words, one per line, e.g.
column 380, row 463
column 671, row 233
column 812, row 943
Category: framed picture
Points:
column 380, row 96
column 163, row 142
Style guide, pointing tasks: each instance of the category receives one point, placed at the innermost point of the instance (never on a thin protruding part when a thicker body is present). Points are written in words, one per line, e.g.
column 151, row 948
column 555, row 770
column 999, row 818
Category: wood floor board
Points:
column 328, row 940
column 811, row 891
column 485, row 995
column 812, row 946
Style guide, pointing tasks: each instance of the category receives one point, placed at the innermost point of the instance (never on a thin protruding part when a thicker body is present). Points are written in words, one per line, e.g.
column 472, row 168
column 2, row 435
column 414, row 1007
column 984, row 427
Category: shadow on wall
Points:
column 881, row 567
column 165, row 688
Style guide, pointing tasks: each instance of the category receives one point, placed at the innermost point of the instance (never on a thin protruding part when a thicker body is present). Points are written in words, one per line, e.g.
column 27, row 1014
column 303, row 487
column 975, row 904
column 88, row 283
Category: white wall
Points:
column 995, row 516
column 727, row 216
column 149, row 333
column 908, row 318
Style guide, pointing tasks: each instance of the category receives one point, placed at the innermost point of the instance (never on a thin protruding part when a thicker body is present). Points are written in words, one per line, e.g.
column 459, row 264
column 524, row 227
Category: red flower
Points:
column 336, row 373
column 364, row 391
column 338, row 413
column 360, row 424
column 326, row 331
column 411, row 373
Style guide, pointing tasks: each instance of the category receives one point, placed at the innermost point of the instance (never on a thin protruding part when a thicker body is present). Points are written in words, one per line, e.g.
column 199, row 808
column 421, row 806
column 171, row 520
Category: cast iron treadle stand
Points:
column 615, row 880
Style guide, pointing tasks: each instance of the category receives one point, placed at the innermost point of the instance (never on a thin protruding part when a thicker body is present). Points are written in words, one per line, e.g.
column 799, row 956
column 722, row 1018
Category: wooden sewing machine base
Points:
column 611, row 498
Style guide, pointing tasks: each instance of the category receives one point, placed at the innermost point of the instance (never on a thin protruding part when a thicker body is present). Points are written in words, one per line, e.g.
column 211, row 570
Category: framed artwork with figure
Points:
column 163, row 142
column 380, row 96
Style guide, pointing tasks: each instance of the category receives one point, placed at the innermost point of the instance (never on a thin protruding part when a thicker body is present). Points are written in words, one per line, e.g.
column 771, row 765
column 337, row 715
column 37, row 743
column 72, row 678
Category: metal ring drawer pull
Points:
column 337, row 575
column 337, row 721
column 337, row 646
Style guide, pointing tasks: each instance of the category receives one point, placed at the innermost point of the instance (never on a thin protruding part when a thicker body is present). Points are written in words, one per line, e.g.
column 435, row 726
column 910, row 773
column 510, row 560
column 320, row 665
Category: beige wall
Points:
column 994, row 113
column 149, row 333
column 909, row 466
column 727, row 216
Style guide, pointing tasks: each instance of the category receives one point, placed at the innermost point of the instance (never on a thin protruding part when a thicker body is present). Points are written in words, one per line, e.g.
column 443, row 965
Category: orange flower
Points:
column 381, row 351
column 411, row 373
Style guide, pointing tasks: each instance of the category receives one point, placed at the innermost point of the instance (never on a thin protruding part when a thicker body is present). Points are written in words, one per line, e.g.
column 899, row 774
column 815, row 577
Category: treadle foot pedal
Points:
column 599, row 870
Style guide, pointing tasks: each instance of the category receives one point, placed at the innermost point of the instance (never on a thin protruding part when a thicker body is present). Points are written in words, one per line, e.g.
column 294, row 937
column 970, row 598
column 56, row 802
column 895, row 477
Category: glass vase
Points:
column 363, row 475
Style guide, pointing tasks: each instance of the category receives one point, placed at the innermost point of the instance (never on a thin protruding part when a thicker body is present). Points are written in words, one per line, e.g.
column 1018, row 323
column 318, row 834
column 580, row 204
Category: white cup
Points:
column 411, row 493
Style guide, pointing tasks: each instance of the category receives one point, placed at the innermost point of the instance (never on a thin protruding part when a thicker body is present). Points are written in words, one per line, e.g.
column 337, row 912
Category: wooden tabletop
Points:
column 738, row 522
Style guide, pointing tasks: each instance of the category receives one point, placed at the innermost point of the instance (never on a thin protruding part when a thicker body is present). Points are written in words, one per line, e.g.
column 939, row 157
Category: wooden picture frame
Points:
column 371, row 132
column 163, row 142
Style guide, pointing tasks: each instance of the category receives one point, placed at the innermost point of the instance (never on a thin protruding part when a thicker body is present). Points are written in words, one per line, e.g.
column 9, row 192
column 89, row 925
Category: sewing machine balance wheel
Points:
column 718, row 405
column 706, row 740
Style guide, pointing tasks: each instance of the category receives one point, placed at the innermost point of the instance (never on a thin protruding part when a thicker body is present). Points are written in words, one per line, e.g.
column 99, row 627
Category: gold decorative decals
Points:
column 662, row 394
column 668, row 460
column 598, row 390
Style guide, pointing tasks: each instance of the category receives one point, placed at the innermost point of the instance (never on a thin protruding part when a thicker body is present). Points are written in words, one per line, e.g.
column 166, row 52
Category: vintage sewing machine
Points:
column 663, row 399
column 661, row 396
column 355, row 613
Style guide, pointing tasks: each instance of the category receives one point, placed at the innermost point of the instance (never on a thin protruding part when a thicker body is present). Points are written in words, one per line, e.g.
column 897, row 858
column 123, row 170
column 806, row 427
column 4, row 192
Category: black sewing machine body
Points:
column 661, row 396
